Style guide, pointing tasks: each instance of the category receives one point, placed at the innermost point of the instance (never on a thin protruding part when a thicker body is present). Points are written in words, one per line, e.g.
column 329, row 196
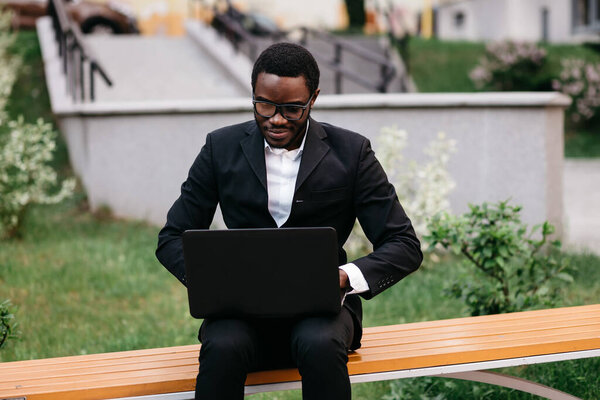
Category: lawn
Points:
column 86, row 284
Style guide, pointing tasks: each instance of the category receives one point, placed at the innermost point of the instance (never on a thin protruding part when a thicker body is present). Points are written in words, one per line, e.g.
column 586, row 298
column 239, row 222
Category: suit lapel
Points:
column 314, row 151
column 254, row 151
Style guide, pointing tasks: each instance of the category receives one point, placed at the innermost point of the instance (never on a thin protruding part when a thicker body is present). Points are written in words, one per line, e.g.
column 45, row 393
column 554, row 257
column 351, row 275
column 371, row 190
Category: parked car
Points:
column 92, row 17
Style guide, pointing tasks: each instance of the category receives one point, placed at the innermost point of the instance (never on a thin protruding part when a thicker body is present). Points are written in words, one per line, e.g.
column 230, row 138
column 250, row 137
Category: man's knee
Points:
column 228, row 340
column 319, row 342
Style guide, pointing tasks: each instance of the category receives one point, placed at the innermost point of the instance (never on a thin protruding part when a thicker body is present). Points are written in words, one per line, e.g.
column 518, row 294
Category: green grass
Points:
column 88, row 285
column 443, row 66
column 583, row 143
column 29, row 96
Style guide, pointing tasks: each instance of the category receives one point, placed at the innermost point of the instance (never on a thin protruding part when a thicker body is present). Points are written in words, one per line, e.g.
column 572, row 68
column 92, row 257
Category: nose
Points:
column 278, row 118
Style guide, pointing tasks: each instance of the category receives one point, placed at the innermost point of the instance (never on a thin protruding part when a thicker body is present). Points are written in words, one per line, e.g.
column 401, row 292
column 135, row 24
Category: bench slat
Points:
column 390, row 348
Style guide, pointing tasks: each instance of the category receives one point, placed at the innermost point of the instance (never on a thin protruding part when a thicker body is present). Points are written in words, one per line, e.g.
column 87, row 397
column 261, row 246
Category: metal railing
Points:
column 75, row 55
column 242, row 40
column 387, row 70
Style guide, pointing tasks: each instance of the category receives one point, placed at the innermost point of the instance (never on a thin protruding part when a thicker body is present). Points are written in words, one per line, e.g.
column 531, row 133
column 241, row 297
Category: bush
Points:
column 580, row 80
column 7, row 323
column 25, row 176
column 25, row 151
column 514, row 270
column 511, row 66
column 8, row 65
column 422, row 189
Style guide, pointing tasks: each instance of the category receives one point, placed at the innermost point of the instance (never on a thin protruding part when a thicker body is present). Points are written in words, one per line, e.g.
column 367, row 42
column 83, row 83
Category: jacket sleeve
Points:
column 194, row 209
column 396, row 248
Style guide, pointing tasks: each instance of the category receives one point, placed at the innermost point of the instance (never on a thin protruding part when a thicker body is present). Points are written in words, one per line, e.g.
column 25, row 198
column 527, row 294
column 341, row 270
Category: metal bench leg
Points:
column 512, row 382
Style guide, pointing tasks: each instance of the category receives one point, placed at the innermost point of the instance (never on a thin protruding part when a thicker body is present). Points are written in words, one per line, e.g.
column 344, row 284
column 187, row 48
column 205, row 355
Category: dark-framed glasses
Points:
column 291, row 112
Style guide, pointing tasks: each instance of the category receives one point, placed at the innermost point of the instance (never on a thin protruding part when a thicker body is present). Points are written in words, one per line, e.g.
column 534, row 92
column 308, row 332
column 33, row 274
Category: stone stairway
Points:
column 159, row 68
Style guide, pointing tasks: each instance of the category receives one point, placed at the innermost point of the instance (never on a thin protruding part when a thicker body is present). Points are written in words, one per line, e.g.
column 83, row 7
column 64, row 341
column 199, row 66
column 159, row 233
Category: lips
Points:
column 278, row 134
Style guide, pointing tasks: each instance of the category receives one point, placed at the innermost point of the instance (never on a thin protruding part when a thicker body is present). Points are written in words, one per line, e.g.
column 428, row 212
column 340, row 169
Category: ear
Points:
column 315, row 97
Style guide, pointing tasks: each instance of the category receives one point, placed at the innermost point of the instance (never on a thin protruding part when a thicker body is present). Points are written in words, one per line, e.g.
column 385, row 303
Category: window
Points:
column 545, row 22
column 459, row 19
column 586, row 15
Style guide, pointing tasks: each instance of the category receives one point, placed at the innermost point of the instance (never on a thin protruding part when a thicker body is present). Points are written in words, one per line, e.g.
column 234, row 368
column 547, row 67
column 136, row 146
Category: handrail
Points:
column 349, row 46
column 70, row 39
column 387, row 69
column 236, row 33
column 234, row 27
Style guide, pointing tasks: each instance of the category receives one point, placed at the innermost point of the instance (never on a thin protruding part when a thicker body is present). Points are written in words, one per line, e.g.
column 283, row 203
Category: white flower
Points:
column 422, row 189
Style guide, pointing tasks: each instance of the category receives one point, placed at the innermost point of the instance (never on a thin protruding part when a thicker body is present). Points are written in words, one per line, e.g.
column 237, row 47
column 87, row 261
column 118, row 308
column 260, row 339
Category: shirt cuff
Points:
column 357, row 280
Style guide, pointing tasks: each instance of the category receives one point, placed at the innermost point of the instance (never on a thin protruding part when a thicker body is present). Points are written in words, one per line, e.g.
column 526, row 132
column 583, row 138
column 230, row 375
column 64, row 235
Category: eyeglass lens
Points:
column 267, row 110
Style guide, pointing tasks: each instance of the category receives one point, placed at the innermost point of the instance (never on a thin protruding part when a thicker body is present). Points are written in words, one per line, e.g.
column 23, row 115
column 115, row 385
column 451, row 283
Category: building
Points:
column 557, row 21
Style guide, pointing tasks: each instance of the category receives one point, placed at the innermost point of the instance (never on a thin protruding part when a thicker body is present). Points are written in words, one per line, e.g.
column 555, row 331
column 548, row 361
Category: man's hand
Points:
column 344, row 284
column 344, row 281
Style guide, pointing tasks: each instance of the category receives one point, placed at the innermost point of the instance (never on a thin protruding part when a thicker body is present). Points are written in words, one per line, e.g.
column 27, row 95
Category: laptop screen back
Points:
column 279, row 272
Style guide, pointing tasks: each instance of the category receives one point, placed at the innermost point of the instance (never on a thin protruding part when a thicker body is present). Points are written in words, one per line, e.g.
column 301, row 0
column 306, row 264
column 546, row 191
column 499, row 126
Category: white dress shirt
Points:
column 282, row 171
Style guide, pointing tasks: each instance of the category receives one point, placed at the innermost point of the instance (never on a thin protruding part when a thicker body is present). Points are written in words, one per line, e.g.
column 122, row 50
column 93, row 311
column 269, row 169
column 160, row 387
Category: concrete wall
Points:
column 133, row 157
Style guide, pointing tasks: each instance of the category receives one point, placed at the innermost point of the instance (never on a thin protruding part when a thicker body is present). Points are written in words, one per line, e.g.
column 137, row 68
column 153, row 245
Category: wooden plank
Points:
column 103, row 356
column 591, row 331
column 118, row 364
column 530, row 330
column 495, row 325
column 567, row 313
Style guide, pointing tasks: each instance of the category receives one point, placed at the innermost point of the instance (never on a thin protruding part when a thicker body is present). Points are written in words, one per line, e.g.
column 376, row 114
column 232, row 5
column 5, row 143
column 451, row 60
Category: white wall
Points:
column 525, row 20
column 484, row 20
column 506, row 19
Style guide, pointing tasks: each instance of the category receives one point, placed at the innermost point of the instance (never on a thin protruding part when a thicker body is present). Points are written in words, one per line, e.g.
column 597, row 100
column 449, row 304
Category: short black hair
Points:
column 287, row 59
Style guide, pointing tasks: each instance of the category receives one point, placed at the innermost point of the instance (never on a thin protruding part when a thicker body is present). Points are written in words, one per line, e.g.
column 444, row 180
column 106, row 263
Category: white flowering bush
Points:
column 422, row 188
column 25, row 174
column 8, row 65
column 510, row 65
column 25, row 152
column 580, row 80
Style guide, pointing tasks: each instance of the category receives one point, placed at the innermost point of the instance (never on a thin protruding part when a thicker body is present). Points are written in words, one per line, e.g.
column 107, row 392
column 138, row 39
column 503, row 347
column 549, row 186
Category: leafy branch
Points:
column 516, row 270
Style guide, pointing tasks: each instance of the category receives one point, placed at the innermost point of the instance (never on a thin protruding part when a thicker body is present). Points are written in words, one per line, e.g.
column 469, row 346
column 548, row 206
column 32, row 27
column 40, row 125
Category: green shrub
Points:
column 7, row 323
column 511, row 65
column 580, row 80
column 514, row 270
column 25, row 176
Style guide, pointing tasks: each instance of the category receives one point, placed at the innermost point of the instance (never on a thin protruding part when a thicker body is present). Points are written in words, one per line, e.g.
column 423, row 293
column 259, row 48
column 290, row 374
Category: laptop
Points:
column 272, row 272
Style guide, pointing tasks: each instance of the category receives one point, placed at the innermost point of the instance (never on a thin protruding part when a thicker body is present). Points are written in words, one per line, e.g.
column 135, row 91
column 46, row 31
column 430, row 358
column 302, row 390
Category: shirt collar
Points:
column 293, row 154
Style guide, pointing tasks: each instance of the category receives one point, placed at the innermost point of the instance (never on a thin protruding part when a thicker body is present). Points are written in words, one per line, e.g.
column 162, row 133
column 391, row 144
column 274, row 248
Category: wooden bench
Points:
column 462, row 348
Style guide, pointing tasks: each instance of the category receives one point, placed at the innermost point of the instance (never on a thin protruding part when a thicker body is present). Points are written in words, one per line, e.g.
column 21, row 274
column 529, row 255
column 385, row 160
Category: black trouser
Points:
column 318, row 346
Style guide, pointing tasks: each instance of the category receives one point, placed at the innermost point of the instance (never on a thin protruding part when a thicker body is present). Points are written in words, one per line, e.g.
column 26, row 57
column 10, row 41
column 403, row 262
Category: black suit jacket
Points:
column 339, row 180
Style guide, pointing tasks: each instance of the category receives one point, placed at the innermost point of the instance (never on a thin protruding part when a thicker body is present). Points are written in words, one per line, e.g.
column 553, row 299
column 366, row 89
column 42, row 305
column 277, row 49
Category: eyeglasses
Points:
column 291, row 112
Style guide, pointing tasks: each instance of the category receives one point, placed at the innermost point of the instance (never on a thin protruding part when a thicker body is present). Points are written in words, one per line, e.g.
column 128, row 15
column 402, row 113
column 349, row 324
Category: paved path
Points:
column 159, row 68
column 582, row 204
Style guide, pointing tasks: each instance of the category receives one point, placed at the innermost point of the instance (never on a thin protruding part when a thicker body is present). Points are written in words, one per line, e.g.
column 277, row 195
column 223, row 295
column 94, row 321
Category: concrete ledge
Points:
column 326, row 102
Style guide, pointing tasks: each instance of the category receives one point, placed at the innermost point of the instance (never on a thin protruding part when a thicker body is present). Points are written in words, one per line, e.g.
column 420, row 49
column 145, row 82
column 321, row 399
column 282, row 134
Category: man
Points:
column 285, row 169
